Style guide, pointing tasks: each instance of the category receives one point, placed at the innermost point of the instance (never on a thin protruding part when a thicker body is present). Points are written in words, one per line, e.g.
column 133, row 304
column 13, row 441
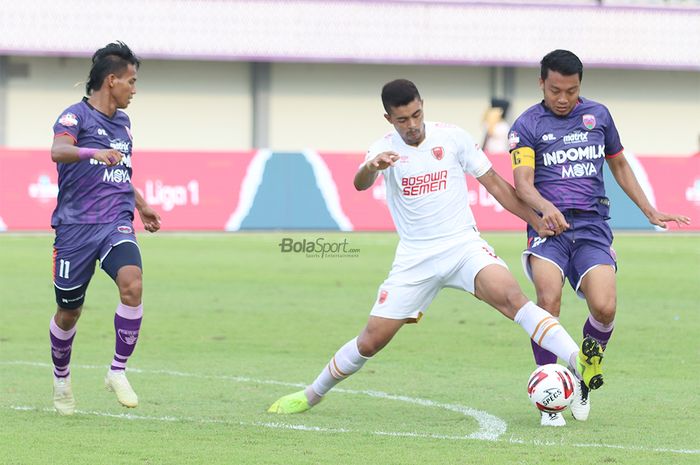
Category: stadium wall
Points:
column 200, row 105
column 307, row 190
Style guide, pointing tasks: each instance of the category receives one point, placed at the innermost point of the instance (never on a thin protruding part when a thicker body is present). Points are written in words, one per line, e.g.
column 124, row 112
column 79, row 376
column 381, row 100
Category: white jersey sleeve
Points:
column 471, row 157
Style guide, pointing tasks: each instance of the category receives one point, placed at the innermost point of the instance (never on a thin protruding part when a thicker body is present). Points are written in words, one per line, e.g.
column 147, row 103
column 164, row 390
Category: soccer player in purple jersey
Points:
column 558, row 150
column 93, row 218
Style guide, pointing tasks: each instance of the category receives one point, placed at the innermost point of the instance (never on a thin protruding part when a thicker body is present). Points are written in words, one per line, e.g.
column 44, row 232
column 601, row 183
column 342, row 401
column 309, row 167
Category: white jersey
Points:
column 426, row 189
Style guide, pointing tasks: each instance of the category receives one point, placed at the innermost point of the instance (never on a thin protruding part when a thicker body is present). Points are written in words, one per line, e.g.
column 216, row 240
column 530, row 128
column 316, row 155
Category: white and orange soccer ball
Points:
column 551, row 388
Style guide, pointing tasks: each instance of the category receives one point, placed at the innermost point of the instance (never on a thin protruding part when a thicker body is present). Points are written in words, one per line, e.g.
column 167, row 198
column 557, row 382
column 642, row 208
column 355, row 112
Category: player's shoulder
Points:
column 121, row 116
column 451, row 131
column 383, row 143
column 592, row 106
column 532, row 114
column 73, row 116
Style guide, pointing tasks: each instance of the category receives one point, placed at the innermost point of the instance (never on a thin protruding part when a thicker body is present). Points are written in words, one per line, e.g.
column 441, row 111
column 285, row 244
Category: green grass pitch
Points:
column 231, row 324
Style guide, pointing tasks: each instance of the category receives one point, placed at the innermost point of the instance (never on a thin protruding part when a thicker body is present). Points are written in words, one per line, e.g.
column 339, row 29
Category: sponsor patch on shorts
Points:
column 124, row 229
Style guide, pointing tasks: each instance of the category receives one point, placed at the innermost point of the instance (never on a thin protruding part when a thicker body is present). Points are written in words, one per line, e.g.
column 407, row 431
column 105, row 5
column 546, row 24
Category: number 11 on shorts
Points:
column 64, row 269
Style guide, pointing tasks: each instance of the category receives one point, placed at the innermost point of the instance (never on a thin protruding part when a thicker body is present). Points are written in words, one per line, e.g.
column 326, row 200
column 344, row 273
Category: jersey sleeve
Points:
column 522, row 143
column 613, row 145
column 68, row 124
column 471, row 157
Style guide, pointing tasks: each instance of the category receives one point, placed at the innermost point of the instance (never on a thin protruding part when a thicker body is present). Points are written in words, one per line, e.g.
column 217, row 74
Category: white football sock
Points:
column 345, row 362
column 546, row 331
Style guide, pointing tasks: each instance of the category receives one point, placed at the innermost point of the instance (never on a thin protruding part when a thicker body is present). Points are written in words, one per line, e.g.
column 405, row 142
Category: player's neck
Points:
column 103, row 103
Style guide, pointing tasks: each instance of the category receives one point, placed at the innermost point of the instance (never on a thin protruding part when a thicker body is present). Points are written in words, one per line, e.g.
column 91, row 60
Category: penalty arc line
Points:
column 300, row 427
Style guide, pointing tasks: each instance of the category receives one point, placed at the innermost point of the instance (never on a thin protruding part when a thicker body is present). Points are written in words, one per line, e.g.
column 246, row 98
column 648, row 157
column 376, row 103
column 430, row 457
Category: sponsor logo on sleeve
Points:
column 68, row 119
column 513, row 139
column 383, row 295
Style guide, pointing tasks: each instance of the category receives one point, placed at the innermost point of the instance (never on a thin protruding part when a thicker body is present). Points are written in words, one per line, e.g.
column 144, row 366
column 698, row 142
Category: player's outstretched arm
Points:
column 524, row 177
column 367, row 174
column 149, row 217
column 506, row 196
column 625, row 177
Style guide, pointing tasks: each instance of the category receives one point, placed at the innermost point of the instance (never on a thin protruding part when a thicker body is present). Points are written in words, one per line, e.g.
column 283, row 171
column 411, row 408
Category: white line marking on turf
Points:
column 483, row 434
column 490, row 426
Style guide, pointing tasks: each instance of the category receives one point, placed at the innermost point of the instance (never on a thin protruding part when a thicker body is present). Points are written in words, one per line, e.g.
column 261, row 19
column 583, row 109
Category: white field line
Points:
column 484, row 434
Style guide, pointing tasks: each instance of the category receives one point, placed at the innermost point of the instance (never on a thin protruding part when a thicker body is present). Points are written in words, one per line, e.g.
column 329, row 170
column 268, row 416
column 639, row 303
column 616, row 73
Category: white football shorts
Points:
column 417, row 275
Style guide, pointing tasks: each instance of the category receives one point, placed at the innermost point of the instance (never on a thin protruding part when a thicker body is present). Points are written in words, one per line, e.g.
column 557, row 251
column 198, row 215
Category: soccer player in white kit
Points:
column 423, row 165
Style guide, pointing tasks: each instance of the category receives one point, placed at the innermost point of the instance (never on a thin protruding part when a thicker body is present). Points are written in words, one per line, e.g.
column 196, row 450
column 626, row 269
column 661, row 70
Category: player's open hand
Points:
column 659, row 219
column 110, row 157
column 150, row 218
column 382, row 161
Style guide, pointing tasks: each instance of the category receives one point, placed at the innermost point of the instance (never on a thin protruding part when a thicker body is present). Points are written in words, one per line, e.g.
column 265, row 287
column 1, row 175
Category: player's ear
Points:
column 388, row 118
column 541, row 81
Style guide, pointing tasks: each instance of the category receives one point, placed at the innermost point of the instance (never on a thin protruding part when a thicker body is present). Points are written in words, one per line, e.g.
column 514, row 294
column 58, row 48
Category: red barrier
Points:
column 201, row 190
column 191, row 190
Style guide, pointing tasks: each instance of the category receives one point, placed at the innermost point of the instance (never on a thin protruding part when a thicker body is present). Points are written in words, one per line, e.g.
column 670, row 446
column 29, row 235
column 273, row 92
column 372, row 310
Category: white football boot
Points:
column 63, row 399
column 581, row 405
column 552, row 419
column 116, row 382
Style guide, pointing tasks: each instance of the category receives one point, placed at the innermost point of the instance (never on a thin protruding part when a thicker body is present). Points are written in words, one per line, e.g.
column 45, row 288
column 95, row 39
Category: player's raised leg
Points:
column 346, row 361
column 127, row 319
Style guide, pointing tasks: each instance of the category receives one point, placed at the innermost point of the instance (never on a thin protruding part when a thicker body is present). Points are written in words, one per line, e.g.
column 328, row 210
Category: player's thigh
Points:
column 495, row 285
column 599, row 287
column 119, row 248
column 548, row 279
column 75, row 253
column 409, row 289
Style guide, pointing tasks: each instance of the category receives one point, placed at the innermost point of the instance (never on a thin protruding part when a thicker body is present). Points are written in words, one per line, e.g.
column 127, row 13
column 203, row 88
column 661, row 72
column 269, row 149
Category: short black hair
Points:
column 111, row 59
column 563, row 62
column 398, row 93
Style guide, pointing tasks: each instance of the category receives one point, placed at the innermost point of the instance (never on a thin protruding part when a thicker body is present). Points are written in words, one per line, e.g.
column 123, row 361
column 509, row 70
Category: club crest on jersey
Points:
column 589, row 121
column 438, row 153
column 69, row 119
column 383, row 295
column 124, row 229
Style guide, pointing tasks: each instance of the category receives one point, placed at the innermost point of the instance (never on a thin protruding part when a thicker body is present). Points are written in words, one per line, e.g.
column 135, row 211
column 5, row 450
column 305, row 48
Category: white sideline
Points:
column 491, row 428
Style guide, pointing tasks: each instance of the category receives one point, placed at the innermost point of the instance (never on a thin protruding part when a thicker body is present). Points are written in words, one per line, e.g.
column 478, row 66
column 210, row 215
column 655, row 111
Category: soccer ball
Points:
column 551, row 388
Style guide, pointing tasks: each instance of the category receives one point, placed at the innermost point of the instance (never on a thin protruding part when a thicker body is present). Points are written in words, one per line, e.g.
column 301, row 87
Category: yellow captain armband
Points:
column 523, row 156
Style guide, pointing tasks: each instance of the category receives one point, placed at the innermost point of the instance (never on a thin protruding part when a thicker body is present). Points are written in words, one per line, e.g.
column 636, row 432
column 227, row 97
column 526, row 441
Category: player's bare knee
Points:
column 130, row 291
column 551, row 303
column 604, row 313
column 66, row 319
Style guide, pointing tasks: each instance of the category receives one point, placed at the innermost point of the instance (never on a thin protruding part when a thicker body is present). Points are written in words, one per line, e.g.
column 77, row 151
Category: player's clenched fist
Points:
column 382, row 161
column 110, row 157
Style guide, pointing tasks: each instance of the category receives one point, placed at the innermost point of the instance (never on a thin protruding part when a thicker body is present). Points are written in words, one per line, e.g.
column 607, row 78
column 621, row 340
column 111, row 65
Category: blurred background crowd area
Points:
column 289, row 75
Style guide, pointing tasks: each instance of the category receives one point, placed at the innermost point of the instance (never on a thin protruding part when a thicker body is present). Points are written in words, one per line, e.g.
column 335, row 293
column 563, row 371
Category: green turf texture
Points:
column 233, row 323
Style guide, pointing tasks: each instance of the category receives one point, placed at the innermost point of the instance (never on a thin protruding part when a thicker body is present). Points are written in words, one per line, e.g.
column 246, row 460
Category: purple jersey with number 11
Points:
column 569, row 153
column 90, row 192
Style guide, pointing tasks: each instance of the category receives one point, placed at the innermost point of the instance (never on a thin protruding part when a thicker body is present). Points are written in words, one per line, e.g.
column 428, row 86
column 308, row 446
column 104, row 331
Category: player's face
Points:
column 408, row 122
column 560, row 92
column 123, row 87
